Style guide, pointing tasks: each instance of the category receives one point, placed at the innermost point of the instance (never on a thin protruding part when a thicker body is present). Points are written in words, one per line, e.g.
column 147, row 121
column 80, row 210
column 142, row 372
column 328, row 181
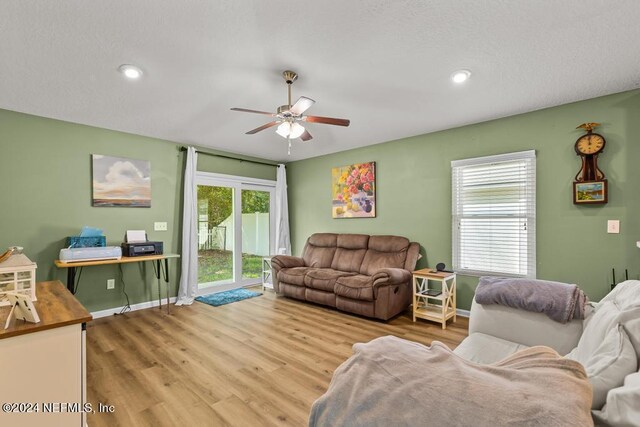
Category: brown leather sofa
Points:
column 361, row 274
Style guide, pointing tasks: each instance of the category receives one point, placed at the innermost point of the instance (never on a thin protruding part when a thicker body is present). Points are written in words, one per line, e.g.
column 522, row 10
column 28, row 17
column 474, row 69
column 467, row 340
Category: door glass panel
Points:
column 215, row 235
column 255, row 231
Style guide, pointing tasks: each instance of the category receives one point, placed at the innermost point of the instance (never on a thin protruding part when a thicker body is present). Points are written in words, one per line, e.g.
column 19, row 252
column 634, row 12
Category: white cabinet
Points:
column 44, row 364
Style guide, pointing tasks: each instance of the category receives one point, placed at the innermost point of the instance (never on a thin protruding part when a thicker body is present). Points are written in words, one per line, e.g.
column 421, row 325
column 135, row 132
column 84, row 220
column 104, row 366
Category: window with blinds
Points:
column 494, row 215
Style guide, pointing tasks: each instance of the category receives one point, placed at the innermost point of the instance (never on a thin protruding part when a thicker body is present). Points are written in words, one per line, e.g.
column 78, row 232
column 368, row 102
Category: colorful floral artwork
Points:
column 354, row 191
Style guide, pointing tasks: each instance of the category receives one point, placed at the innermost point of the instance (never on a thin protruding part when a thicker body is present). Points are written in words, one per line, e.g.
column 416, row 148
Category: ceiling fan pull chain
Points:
column 289, row 149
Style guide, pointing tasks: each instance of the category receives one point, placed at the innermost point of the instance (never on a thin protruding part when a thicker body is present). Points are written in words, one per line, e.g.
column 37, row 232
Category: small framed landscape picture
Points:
column 354, row 191
column 592, row 192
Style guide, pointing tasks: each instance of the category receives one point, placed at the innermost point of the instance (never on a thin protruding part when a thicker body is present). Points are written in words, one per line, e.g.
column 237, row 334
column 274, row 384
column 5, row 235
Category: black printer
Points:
column 141, row 248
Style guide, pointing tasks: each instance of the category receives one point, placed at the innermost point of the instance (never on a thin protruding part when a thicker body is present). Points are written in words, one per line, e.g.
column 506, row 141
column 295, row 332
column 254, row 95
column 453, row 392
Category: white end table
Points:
column 437, row 308
column 267, row 281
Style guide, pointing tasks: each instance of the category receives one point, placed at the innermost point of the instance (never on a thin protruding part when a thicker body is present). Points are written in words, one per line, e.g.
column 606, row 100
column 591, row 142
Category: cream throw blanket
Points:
column 394, row 382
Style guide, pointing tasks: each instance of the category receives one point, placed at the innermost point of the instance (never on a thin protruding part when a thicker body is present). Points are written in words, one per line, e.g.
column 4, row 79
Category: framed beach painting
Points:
column 118, row 181
column 591, row 192
column 354, row 191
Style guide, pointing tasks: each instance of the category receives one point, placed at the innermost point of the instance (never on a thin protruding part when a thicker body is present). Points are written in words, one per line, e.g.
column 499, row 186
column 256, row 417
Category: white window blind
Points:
column 494, row 215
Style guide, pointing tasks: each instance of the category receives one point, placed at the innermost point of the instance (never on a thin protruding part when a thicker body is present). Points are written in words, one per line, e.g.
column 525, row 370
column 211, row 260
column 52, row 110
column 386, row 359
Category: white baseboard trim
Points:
column 463, row 313
column 134, row 307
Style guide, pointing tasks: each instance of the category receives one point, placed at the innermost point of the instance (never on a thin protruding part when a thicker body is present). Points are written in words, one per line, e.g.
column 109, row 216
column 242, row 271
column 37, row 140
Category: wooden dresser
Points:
column 44, row 363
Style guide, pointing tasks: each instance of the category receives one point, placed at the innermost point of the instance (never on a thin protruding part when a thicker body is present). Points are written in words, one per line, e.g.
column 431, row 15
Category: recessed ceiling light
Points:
column 460, row 76
column 130, row 71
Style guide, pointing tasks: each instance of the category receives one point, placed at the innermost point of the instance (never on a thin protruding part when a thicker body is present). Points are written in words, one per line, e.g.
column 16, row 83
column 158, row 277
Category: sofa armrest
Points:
column 279, row 262
column 286, row 261
column 524, row 327
column 390, row 276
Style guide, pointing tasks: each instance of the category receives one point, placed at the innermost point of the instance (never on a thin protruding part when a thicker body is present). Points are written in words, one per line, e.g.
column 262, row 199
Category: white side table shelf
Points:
column 437, row 308
column 267, row 282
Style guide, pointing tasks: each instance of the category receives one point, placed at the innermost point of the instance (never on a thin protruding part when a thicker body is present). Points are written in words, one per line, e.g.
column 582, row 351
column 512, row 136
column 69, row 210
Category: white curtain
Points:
column 283, row 241
column 189, row 276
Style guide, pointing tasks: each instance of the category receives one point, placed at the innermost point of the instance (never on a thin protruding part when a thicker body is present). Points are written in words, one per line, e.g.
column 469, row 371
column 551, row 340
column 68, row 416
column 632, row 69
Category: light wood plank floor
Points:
column 261, row 361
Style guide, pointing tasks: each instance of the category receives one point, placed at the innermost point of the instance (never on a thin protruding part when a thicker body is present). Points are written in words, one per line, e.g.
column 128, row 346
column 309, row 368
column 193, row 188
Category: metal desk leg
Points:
column 166, row 281
column 158, row 276
column 71, row 279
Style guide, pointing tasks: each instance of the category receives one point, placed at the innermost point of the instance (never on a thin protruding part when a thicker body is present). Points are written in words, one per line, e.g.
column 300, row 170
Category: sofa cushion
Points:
column 486, row 349
column 323, row 278
column 413, row 254
column 293, row 291
column 363, row 308
column 388, row 243
column 350, row 252
column 353, row 241
column 608, row 364
column 375, row 260
column 320, row 297
column 293, row 275
column 358, row 287
column 524, row 327
column 348, row 259
column 319, row 250
column 384, row 252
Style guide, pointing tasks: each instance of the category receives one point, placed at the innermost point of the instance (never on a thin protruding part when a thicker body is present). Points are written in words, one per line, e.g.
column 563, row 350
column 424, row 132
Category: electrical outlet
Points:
column 111, row 284
column 613, row 226
column 160, row 226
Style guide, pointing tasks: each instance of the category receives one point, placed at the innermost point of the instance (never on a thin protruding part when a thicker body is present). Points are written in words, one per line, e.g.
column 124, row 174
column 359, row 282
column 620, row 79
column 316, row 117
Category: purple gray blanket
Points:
column 560, row 301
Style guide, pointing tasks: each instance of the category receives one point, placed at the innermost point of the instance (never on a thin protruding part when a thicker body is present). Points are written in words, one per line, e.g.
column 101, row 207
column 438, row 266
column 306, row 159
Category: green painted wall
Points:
column 45, row 171
column 414, row 190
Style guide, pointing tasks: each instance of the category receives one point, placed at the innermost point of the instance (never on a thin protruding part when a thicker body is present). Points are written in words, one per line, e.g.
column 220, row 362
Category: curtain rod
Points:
column 230, row 157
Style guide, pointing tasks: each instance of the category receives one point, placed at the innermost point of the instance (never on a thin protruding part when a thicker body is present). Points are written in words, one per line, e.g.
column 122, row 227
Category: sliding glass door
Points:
column 215, row 234
column 235, row 230
column 256, row 230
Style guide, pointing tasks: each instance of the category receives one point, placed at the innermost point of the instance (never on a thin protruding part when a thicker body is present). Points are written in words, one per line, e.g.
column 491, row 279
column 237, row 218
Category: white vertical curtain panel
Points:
column 189, row 276
column 494, row 215
column 282, row 240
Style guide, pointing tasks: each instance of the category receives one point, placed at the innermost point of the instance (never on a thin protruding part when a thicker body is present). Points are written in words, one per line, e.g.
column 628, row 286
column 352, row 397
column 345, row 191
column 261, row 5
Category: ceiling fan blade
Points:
column 327, row 120
column 302, row 104
column 306, row 136
column 244, row 110
column 263, row 127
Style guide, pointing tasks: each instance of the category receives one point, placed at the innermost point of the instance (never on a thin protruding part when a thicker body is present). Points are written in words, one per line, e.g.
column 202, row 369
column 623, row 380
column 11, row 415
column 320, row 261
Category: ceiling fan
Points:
column 288, row 117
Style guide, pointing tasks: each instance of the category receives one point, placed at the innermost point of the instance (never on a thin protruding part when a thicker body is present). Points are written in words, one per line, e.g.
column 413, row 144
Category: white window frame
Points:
column 238, row 183
column 529, row 216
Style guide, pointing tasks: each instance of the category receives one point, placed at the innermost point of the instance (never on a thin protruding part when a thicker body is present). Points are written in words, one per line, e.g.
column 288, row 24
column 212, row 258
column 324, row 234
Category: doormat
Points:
column 227, row 297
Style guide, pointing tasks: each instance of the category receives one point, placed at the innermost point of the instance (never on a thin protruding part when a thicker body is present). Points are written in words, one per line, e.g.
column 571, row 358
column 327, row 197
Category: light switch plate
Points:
column 160, row 226
column 111, row 284
column 613, row 226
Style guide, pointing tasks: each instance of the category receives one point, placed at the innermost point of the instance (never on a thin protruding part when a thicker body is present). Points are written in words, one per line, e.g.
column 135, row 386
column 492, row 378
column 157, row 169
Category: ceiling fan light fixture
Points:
column 284, row 129
column 290, row 130
column 296, row 130
column 460, row 76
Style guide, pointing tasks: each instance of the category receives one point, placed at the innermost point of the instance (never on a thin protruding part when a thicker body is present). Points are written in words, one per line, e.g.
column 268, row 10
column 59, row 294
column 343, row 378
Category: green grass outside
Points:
column 214, row 265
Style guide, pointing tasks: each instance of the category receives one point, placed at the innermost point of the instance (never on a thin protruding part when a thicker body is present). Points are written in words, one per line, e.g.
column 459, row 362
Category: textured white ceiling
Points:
column 385, row 65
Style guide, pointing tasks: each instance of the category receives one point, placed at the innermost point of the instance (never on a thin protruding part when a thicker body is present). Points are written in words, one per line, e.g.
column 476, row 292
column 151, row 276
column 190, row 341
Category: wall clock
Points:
column 590, row 185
